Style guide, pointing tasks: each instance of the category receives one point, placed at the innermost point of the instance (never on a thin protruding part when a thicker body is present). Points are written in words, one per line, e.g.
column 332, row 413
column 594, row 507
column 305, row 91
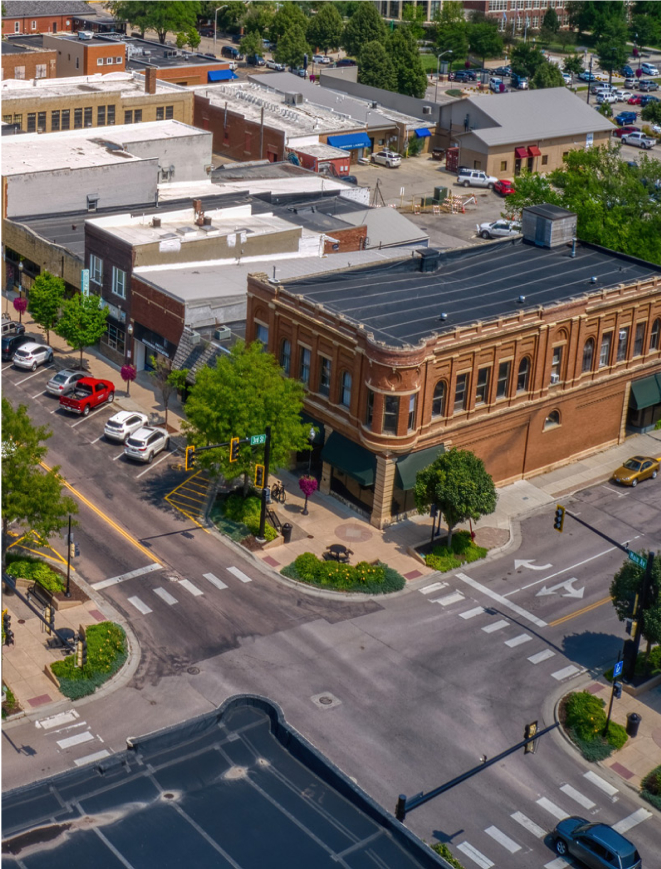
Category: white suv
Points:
column 145, row 443
column 31, row 354
column 387, row 158
column 476, row 178
column 122, row 425
column 649, row 69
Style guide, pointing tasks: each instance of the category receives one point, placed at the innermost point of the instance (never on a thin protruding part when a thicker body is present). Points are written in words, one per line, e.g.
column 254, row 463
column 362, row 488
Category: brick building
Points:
column 528, row 352
column 52, row 16
column 21, row 61
column 520, row 14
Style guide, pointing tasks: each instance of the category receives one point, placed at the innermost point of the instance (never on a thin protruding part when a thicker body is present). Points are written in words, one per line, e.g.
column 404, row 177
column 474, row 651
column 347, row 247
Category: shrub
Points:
column 463, row 550
column 246, row 511
column 38, row 572
column 443, row 851
column 307, row 565
column 585, row 721
column 653, row 667
column 370, row 578
column 106, row 653
column 651, row 787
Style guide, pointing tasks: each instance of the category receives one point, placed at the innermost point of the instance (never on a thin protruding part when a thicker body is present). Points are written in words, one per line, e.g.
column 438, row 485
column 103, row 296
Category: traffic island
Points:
column 238, row 518
column 106, row 653
column 583, row 719
column 462, row 550
column 365, row 577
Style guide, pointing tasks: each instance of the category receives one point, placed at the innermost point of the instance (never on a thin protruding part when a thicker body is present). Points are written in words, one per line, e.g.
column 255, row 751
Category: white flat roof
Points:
column 321, row 151
column 127, row 83
column 310, row 183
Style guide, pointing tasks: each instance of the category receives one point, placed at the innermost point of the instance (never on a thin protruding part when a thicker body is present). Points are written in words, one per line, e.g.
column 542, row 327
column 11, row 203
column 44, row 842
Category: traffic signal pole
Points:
column 643, row 602
column 267, row 461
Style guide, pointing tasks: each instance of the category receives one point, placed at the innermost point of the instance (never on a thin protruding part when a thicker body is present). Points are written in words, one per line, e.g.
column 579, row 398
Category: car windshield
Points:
column 630, row 860
column 60, row 378
column 632, row 465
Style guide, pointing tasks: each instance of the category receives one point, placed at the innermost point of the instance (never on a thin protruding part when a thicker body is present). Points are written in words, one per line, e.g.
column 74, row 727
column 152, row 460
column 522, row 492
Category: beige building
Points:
column 503, row 134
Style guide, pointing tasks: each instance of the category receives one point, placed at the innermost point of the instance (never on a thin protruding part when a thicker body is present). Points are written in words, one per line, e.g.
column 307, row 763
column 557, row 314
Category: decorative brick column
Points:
column 383, row 485
column 324, row 483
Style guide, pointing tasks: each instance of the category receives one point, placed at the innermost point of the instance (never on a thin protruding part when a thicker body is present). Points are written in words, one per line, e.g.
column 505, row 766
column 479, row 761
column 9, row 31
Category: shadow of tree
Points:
column 593, row 651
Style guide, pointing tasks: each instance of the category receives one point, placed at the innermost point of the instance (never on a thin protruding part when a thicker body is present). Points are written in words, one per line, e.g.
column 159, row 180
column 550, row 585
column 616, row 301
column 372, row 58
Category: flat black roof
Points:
column 19, row 43
column 141, row 53
column 402, row 306
column 235, row 788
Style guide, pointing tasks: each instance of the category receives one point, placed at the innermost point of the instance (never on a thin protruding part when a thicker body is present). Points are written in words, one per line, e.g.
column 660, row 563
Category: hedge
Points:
column 244, row 512
column 23, row 567
column 369, row 578
column 106, row 653
column 653, row 665
column 651, row 788
column 462, row 551
column 585, row 721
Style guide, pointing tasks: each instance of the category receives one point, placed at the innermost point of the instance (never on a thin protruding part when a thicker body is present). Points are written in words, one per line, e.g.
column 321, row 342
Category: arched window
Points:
column 438, row 401
column 655, row 334
column 552, row 420
column 285, row 356
column 524, row 375
column 345, row 393
column 588, row 354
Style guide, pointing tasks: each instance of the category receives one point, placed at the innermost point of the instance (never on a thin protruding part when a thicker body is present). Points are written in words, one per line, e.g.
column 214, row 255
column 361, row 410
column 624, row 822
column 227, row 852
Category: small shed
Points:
column 548, row 225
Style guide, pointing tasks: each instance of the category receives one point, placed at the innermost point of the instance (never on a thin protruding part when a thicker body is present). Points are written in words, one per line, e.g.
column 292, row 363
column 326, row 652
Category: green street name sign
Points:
column 638, row 559
column 255, row 440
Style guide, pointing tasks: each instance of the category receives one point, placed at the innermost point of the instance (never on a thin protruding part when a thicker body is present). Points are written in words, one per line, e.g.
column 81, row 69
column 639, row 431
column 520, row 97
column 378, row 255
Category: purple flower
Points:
column 307, row 485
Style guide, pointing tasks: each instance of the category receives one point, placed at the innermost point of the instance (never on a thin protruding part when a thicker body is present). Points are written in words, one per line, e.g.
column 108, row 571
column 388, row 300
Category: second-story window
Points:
column 556, row 365
column 588, row 354
column 324, row 375
column 304, row 366
column 345, row 390
column 413, row 400
column 262, row 333
column 654, row 335
column 119, row 282
column 96, row 269
column 639, row 340
column 622, row 344
column 605, row 351
column 285, row 356
column 503, row 383
column 461, row 392
column 390, row 413
column 482, row 387
column 523, row 376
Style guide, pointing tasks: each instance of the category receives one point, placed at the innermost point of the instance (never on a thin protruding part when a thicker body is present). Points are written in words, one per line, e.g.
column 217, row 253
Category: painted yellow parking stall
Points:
column 189, row 497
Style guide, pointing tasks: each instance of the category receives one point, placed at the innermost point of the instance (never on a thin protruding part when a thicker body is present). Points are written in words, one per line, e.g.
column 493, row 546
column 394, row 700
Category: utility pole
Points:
column 67, row 593
column 590, row 82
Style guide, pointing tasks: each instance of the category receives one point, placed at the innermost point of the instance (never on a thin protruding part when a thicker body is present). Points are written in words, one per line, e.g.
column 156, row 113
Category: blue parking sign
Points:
column 617, row 669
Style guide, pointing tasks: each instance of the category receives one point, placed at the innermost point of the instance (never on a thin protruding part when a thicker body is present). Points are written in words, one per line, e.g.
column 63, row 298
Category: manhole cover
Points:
column 21, row 621
column 193, row 671
column 168, row 796
column 326, row 700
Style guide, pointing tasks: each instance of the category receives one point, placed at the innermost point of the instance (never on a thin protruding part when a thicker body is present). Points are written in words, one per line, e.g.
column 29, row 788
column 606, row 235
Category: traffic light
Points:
column 234, row 449
column 49, row 615
column 559, row 519
column 617, row 690
column 81, row 652
column 530, row 731
column 259, row 476
column 190, row 458
column 6, row 625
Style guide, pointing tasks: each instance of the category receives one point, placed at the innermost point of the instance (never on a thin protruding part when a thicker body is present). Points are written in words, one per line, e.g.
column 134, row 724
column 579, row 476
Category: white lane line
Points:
column 482, row 861
column 215, row 581
column 166, row 596
column 435, row 586
column 90, row 758
column 455, row 597
column 599, row 782
column 239, row 574
column 96, row 440
column 141, row 606
column 495, row 626
column 75, row 740
column 188, row 585
column 500, row 837
column 560, row 572
column 550, row 807
column 470, row 614
column 544, row 655
column 578, row 797
column 104, row 583
column 56, row 720
column 529, row 825
column 154, row 464
column 38, row 394
column 571, row 670
column 558, row 863
column 632, row 821
column 501, row 600
column 517, row 641
column 25, row 379
column 118, row 456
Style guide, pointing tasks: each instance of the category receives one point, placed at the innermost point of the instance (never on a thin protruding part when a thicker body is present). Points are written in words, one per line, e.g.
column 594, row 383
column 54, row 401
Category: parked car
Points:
column 64, row 382
column 299, row 71
column 647, row 99
column 622, row 96
column 598, row 846
column 623, row 131
column 601, row 88
column 476, row 178
column 625, row 118
column 630, row 83
column 387, row 158
column 498, row 229
column 505, row 188
column 634, row 100
column 87, row 394
column 11, row 343
column 463, row 75
column 640, row 140
column 120, row 426
column 346, row 61
column 568, row 77
column 520, row 82
column 266, row 44
column 586, row 75
column 231, row 53
column 645, row 85
column 31, row 354
column 255, row 60
column 636, row 469
column 497, row 85
column 271, row 64
column 627, row 72
column 649, row 69
column 606, row 98
column 11, row 327
column 323, row 59
column 505, row 71
column 145, row 443
column 206, row 31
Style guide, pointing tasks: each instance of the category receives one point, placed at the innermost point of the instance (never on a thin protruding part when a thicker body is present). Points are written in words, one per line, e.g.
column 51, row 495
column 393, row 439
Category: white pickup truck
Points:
column 640, row 140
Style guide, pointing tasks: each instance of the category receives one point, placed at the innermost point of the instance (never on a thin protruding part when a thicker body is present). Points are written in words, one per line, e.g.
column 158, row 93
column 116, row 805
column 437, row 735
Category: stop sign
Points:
column 639, row 72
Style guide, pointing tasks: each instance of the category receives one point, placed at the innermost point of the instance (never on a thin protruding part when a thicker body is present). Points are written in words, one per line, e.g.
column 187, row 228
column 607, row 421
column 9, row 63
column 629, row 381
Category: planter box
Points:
column 636, row 690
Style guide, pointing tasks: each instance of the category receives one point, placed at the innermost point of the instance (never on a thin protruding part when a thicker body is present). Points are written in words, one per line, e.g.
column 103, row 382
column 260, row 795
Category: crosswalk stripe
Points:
column 558, row 863
column 475, row 855
column 91, row 758
column 495, row 626
column 531, row 826
column 166, row 596
column 571, row 670
column 500, row 837
column 435, row 586
column 188, row 585
column 503, row 601
column 541, row 656
column 140, row 605
column 448, row 599
column 469, row 614
column 632, row 821
column 516, row 641
column 239, row 574
column 124, row 576
column 75, row 740
column 554, row 810
column 577, row 796
column 599, row 782
column 215, row 581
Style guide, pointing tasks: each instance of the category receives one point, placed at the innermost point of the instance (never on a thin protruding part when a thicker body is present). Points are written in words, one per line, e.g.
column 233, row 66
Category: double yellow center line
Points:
column 586, row 609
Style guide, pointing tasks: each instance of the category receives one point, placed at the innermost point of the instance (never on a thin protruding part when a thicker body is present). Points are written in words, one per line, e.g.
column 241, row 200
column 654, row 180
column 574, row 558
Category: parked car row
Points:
column 24, row 352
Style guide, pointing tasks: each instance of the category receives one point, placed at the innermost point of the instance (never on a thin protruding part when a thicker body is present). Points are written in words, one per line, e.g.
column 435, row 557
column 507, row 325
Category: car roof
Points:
column 146, row 430
column 611, row 838
column 123, row 415
column 68, row 372
column 30, row 345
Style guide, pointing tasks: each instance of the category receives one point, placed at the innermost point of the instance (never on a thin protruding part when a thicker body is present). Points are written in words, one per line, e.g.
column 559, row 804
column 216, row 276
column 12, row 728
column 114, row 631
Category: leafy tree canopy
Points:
column 650, row 113
column 82, row 323
column 645, row 28
column 251, row 43
column 458, row 484
column 365, row 25
column 626, row 584
column 550, row 21
column 376, row 67
column 526, row 59
column 325, row 29
column 547, row 75
column 414, row 18
column 593, row 15
column 611, row 48
column 46, row 295
column 292, row 47
column 259, row 18
column 289, row 15
column 164, row 17
column 451, row 31
column 573, row 63
column 484, row 39
column 188, row 37
column 403, row 50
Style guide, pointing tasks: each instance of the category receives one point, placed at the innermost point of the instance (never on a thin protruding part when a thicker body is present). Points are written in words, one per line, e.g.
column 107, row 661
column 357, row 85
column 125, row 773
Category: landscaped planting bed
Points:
column 106, row 653
column 375, row 578
column 584, row 719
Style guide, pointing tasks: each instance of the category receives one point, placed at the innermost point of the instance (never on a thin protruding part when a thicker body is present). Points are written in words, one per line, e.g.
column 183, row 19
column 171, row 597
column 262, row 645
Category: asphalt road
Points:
column 422, row 684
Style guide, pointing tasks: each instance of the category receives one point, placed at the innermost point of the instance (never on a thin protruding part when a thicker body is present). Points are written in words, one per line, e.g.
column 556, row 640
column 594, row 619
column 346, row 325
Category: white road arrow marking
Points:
column 567, row 584
column 528, row 562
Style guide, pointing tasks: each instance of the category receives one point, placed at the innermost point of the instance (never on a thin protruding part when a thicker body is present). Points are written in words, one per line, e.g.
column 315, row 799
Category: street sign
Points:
column 85, row 282
column 255, row 440
column 640, row 560
column 617, row 669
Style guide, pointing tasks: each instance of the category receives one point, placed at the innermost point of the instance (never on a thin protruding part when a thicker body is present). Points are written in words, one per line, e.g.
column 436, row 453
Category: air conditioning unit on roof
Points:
column 222, row 333
column 426, row 110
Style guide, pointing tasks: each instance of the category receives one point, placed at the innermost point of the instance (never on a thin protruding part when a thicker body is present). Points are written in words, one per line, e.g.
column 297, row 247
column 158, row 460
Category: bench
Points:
column 40, row 594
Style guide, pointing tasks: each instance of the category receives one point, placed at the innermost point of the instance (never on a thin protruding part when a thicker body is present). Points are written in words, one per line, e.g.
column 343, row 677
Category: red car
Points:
column 634, row 101
column 505, row 188
column 88, row 393
column 622, row 131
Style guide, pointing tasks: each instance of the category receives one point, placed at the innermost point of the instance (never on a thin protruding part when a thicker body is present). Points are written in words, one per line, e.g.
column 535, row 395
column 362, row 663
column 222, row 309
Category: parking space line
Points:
column 25, row 379
column 153, row 465
column 118, row 456
column 92, row 413
column 38, row 394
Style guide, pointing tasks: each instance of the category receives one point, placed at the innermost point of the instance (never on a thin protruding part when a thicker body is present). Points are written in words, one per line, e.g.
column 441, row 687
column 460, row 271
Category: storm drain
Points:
column 325, row 700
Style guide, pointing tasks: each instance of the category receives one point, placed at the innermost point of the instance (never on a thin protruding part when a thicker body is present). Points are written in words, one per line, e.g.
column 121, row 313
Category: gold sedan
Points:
column 636, row 469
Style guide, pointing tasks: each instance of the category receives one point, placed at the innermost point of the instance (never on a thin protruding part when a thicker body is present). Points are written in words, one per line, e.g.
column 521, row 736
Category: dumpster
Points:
column 286, row 532
column 633, row 723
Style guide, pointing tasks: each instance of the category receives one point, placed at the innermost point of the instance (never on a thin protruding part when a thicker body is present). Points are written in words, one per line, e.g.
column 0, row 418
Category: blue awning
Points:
column 350, row 142
column 221, row 75
column 422, row 133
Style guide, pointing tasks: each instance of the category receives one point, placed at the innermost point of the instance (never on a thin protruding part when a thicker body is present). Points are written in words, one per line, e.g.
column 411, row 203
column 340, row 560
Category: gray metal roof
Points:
column 386, row 227
column 27, row 9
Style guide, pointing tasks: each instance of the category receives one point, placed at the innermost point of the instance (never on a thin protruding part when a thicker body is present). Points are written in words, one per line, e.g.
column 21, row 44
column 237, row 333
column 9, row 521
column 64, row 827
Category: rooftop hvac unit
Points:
column 222, row 333
column 85, row 34
column 426, row 110
column 195, row 338
column 555, row 378
column 293, row 99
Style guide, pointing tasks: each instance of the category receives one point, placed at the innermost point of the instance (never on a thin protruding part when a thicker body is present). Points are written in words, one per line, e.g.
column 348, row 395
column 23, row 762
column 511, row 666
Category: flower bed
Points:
column 10, row 705
column 462, row 551
column 24, row 567
column 106, row 653
column 369, row 578
column 584, row 719
column 238, row 517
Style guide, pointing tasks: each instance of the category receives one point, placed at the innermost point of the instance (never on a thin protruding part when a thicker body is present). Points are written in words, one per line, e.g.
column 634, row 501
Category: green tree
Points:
column 82, row 323
column 46, row 295
column 573, row 63
column 458, row 484
column 376, row 68
column 450, row 31
column 484, row 39
column 547, row 75
column 645, row 29
column 239, row 397
column 550, row 21
column 365, row 25
column 626, row 584
column 325, row 29
column 188, row 37
column 593, row 16
column 414, row 18
column 650, row 113
column 526, row 59
column 606, row 110
column 31, row 495
column 292, row 47
column 251, row 44
column 169, row 16
column 403, row 51
column 168, row 380
column 288, row 16
column 611, row 48
column 259, row 18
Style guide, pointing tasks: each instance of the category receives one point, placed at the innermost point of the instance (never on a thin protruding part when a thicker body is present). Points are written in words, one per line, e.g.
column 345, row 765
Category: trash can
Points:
column 633, row 723
column 286, row 532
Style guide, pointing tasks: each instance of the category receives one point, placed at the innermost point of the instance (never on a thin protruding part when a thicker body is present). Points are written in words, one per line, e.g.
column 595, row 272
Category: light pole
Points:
column 438, row 69
column 311, row 436
column 215, row 24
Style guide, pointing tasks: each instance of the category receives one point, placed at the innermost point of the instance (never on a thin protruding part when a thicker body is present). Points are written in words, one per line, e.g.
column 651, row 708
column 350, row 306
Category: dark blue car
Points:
column 625, row 118
column 627, row 72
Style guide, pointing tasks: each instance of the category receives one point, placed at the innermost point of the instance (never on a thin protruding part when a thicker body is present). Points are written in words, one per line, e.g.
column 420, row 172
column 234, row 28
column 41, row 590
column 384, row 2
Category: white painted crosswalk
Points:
column 470, row 614
column 192, row 589
column 449, row 599
column 475, row 855
column 435, row 586
column 578, row 797
column 239, row 574
column 502, row 839
column 632, row 821
column 541, row 656
column 565, row 673
column 215, row 581
column 517, row 641
column 140, row 605
column 601, row 783
column 537, row 831
column 495, row 626
column 166, row 596
column 552, row 809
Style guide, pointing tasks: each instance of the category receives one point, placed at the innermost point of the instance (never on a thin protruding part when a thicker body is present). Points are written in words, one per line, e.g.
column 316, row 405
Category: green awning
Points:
column 350, row 458
column 408, row 466
column 319, row 426
column 646, row 392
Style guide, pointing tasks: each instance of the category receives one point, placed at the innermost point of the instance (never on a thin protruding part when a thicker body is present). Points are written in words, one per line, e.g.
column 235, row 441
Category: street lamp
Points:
column 215, row 24
column 311, row 436
column 438, row 69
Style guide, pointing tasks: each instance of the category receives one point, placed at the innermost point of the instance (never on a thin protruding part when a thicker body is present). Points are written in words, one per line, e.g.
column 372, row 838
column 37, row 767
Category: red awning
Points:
column 533, row 151
column 521, row 153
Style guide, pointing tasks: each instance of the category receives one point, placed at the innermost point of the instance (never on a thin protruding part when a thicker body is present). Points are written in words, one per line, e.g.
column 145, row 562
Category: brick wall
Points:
column 346, row 239
column 189, row 75
column 25, row 65
column 156, row 310
column 236, row 137
column 42, row 24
